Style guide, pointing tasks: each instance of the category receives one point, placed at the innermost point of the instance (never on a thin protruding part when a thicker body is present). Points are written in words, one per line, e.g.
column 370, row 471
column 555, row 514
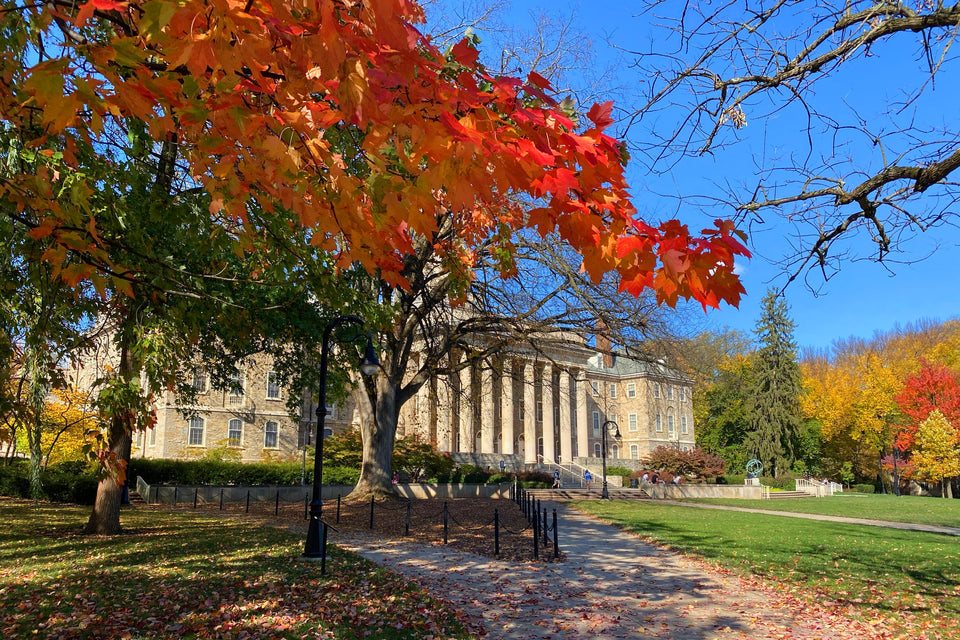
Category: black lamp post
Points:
column 368, row 367
column 615, row 432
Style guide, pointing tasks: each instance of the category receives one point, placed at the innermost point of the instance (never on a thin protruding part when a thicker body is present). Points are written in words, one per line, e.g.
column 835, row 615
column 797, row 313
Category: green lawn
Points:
column 934, row 511
column 181, row 575
column 910, row 580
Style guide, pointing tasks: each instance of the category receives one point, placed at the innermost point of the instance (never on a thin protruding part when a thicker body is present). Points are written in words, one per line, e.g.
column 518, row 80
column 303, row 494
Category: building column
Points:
column 487, row 426
column 444, row 415
column 546, row 398
column 506, row 407
column 566, row 430
column 581, row 393
column 529, row 413
column 466, row 410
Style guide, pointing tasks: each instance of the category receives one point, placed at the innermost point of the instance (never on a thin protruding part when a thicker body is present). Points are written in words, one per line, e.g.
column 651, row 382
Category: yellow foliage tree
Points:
column 66, row 424
column 936, row 453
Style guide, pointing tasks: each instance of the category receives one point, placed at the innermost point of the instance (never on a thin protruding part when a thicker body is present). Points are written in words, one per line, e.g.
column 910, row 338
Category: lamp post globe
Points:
column 368, row 366
column 608, row 427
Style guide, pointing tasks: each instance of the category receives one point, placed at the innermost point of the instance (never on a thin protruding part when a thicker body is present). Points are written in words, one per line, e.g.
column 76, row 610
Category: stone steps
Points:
column 782, row 495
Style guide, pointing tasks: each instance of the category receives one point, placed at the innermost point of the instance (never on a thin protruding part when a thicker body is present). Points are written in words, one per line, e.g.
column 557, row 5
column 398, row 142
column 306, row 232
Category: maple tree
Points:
column 933, row 387
column 258, row 98
column 936, row 453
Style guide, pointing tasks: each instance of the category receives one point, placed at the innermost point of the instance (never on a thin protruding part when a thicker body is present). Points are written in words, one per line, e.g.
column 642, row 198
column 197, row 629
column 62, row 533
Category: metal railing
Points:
column 573, row 470
column 817, row 488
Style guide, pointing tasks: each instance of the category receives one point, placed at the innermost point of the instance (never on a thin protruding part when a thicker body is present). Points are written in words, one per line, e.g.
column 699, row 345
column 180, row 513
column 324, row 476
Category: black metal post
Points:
column 444, row 523
column 496, row 532
column 406, row 530
column 196, row 494
column 536, row 538
column 338, row 509
column 176, row 492
column 604, row 494
column 248, row 500
column 276, row 507
column 313, row 546
column 556, row 542
column 323, row 551
column 306, row 504
column 546, row 529
column 221, row 498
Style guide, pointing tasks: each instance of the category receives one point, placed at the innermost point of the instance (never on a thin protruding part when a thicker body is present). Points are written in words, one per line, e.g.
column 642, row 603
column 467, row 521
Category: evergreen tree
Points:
column 773, row 408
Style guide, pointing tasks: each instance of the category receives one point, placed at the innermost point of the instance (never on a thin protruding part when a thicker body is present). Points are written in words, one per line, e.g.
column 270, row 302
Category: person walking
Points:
column 556, row 479
column 587, row 477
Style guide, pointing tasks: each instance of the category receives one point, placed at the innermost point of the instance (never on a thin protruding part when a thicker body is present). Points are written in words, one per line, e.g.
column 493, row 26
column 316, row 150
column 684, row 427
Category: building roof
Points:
column 625, row 367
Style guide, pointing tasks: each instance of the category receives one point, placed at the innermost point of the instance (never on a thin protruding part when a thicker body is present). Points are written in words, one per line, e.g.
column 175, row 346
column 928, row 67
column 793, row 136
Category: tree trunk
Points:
column 379, row 432
column 105, row 517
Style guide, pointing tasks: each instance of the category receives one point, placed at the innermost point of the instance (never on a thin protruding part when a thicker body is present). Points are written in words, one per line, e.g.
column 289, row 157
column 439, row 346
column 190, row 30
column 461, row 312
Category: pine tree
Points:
column 775, row 386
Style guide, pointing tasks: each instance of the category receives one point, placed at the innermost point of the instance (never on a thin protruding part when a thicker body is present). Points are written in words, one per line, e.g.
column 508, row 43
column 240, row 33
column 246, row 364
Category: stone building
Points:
column 525, row 407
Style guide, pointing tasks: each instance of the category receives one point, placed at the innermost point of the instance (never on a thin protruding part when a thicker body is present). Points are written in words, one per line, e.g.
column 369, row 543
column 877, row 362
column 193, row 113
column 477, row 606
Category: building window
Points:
column 656, row 389
column 613, row 389
column 199, row 382
column 670, row 424
column 683, row 394
column 195, row 437
column 236, row 389
column 659, row 423
column 234, row 433
column 273, row 386
column 596, row 450
column 521, row 411
column 632, row 390
column 632, row 422
column 612, row 417
column 683, row 424
column 153, row 435
column 596, row 424
column 540, row 411
column 635, row 452
column 669, row 392
column 596, row 387
column 686, row 448
column 615, row 452
column 270, row 435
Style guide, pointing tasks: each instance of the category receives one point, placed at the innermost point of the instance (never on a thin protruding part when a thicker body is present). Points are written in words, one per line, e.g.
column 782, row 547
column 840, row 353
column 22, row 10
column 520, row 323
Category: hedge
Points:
column 67, row 482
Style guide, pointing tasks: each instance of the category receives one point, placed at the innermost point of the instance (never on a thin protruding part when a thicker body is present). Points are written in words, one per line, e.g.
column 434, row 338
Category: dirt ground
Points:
column 470, row 523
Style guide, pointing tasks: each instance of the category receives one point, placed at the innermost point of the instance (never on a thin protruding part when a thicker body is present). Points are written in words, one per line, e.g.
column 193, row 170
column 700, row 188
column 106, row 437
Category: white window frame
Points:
column 632, row 390
column 656, row 389
column 615, row 452
column 596, row 424
column 237, row 389
column 596, row 450
column 539, row 410
column 153, row 436
column 196, row 425
column 613, row 390
column 235, row 426
column 659, row 423
column 683, row 394
column 273, row 386
column 200, row 381
column 632, row 422
column 670, row 423
column 683, row 424
column 521, row 409
column 595, row 385
column 634, row 452
column 275, row 432
column 669, row 392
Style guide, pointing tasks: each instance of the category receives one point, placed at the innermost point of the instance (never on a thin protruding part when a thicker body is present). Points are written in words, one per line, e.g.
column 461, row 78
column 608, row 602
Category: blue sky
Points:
column 860, row 300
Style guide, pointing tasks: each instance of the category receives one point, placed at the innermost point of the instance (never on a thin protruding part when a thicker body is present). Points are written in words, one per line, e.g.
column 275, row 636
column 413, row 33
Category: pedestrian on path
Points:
column 587, row 477
column 556, row 479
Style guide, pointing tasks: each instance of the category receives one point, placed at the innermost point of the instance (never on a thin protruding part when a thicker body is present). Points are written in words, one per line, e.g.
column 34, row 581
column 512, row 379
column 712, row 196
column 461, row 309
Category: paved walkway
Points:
column 930, row 528
column 613, row 585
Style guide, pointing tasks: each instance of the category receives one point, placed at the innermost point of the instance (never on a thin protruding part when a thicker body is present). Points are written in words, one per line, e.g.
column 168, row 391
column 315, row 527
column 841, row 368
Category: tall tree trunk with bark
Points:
column 379, row 431
column 105, row 517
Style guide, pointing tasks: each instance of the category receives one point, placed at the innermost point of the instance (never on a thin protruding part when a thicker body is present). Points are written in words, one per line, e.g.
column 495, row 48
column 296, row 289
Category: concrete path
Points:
column 929, row 528
column 612, row 585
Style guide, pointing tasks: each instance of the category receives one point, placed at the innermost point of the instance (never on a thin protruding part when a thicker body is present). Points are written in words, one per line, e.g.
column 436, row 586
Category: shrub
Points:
column 863, row 488
column 67, row 482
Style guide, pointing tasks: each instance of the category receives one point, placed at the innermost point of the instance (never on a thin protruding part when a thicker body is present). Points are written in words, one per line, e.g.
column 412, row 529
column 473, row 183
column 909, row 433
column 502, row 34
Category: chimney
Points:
column 604, row 346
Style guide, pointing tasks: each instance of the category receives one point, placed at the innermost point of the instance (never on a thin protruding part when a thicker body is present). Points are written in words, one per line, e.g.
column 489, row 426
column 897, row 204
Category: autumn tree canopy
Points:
column 339, row 112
